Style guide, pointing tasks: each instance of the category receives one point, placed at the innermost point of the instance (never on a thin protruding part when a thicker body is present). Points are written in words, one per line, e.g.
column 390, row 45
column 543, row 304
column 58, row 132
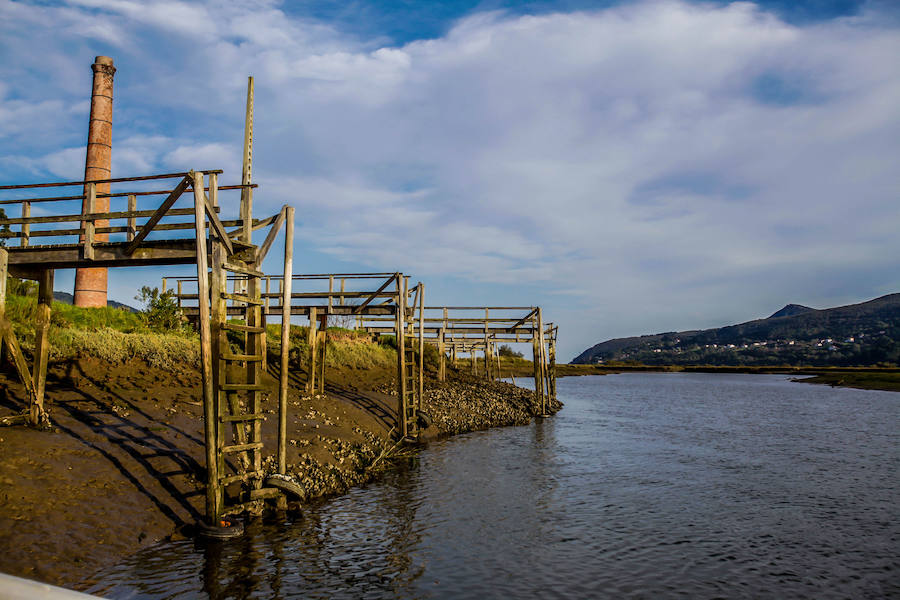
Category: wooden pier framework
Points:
column 456, row 330
column 351, row 299
column 156, row 236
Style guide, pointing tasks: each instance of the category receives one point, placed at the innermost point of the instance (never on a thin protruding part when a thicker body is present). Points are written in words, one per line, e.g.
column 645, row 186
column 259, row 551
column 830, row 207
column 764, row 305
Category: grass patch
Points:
column 110, row 334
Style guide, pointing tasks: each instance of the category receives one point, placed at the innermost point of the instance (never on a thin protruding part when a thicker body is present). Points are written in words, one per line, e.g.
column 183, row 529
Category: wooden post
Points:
column 442, row 369
column 26, row 227
column 4, row 271
column 164, row 285
column 218, row 283
column 285, row 336
column 401, row 356
column 213, row 491
column 311, row 339
column 421, row 390
column 536, row 364
column 487, row 345
column 41, row 344
column 178, row 283
column 330, row 297
column 89, row 204
column 543, row 361
column 132, row 221
column 323, row 349
column 246, row 190
column 552, row 368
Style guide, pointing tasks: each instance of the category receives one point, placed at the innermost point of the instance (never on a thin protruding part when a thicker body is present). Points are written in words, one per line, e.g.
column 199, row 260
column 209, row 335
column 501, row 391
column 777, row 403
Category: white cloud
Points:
column 678, row 164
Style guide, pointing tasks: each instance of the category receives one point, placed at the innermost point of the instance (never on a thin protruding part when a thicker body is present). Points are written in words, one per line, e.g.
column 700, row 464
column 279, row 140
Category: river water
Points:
column 646, row 485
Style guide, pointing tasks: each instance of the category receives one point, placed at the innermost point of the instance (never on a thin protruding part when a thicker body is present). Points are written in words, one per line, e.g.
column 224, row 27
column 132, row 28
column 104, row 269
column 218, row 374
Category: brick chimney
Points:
column 90, row 284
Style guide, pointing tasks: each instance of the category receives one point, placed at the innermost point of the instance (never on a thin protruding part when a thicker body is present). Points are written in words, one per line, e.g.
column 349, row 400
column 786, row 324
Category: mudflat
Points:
column 122, row 464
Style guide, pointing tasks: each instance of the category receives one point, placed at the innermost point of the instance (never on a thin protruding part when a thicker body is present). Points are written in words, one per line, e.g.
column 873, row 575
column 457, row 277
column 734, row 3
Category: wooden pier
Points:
column 187, row 218
column 354, row 299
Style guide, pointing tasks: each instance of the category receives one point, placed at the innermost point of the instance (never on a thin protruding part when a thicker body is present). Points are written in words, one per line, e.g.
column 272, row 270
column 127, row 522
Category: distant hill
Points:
column 858, row 334
column 790, row 310
column 67, row 298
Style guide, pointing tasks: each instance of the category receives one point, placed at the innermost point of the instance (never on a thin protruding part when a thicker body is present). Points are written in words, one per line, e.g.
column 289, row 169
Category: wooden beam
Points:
column 213, row 497
column 132, row 222
column 98, row 181
column 209, row 203
column 88, row 225
column 247, row 168
column 311, row 340
column 270, row 238
column 384, row 285
column 41, row 345
column 26, row 227
column 285, row 336
column 401, row 356
column 160, row 212
column 421, row 391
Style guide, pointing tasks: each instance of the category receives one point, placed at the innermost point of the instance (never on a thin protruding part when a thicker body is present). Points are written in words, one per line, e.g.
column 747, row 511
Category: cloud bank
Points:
column 653, row 166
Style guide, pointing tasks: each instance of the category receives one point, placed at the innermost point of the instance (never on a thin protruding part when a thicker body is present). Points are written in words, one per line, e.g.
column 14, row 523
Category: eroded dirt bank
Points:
column 122, row 464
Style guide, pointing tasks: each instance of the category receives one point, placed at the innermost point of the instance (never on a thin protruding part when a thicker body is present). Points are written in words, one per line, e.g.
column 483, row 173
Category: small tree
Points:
column 161, row 312
column 506, row 352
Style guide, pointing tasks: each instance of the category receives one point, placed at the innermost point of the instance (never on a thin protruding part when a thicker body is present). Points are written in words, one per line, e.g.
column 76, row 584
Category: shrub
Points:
column 161, row 312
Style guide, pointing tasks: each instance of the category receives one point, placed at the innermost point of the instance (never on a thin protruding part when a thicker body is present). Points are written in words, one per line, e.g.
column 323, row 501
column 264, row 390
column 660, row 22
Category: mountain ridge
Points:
column 855, row 334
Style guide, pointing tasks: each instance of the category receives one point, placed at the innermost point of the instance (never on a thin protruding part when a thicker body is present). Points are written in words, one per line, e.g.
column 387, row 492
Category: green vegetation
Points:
column 161, row 312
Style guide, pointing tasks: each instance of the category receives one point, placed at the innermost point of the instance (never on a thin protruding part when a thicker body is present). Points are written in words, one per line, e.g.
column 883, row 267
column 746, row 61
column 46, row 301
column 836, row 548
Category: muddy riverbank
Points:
column 122, row 465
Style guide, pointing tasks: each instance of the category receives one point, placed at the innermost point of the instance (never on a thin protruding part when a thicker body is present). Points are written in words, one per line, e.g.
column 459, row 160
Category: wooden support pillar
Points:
column 538, row 374
column 218, row 283
column 552, row 353
column 399, row 330
column 311, row 340
column 4, row 271
column 442, row 368
column 421, row 391
column 487, row 345
column 285, row 336
column 210, row 416
column 41, row 345
column 543, row 361
column 132, row 221
column 26, row 227
column 322, row 348
column 247, row 168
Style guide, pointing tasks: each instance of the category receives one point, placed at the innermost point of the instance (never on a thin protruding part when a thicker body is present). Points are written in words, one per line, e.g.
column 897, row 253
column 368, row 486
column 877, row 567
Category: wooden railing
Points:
column 94, row 226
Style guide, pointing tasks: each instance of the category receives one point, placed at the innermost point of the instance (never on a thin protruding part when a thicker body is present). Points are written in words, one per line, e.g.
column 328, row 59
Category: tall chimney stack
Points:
column 90, row 284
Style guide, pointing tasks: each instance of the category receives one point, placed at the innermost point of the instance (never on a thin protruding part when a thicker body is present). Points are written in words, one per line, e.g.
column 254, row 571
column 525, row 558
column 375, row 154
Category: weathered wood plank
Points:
column 41, row 344
column 285, row 337
column 167, row 204
column 90, row 203
column 270, row 238
column 213, row 489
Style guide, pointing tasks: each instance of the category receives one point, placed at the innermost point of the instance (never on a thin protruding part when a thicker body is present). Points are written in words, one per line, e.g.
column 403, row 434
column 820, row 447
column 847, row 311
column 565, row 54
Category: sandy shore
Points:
column 122, row 466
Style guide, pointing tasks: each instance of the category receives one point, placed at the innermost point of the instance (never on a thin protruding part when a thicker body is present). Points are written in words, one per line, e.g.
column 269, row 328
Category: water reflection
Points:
column 644, row 486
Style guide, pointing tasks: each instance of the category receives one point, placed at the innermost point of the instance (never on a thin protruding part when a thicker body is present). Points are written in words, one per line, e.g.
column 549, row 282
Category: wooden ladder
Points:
column 410, row 390
column 237, row 375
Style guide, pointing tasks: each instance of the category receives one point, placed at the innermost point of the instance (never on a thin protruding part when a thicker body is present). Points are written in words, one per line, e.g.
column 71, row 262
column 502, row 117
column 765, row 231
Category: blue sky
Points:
column 633, row 167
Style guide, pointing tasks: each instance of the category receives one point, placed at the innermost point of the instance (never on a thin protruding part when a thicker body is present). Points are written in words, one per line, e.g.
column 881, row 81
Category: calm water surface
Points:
column 644, row 486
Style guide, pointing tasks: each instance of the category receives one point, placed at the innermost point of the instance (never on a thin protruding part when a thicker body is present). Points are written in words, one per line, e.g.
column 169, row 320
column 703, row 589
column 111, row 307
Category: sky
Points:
column 632, row 167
